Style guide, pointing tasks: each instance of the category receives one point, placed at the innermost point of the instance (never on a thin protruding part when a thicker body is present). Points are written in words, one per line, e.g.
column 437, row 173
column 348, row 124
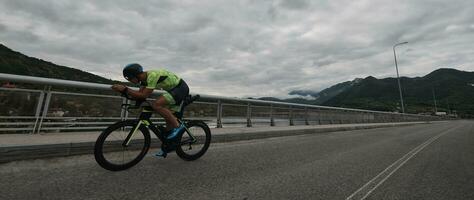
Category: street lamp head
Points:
column 400, row 44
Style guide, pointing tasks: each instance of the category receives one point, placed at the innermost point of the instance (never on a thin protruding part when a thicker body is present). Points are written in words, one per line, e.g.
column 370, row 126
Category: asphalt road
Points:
column 428, row 161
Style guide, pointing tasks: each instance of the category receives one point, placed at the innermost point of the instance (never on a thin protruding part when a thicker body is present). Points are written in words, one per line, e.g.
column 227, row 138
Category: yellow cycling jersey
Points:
column 161, row 79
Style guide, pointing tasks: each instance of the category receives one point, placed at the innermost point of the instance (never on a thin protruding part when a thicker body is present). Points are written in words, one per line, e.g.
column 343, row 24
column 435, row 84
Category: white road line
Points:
column 375, row 182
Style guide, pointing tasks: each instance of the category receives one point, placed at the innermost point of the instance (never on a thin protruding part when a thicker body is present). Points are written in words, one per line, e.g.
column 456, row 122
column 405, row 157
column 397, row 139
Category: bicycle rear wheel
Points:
column 112, row 155
column 189, row 149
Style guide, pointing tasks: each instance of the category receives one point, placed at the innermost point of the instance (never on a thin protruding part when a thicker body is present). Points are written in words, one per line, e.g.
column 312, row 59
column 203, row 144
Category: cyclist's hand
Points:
column 118, row 87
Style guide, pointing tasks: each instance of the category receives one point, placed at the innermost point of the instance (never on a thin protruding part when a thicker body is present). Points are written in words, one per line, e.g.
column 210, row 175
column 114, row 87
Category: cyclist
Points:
column 175, row 92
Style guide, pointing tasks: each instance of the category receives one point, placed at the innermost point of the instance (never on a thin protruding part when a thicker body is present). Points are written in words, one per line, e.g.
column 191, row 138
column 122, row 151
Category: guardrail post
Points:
column 272, row 120
column 341, row 121
column 291, row 116
column 38, row 110
column 306, row 121
column 45, row 108
column 122, row 112
column 355, row 117
column 331, row 118
column 219, row 113
column 126, row 111
column 319, row 116
column 249, row 115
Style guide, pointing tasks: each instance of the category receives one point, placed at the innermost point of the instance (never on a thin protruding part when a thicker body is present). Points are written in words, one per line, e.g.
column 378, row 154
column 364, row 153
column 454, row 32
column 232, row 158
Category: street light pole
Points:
column 398, row 76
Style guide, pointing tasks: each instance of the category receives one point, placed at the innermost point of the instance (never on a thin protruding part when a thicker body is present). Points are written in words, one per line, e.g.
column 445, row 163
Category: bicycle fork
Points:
column 132, row 132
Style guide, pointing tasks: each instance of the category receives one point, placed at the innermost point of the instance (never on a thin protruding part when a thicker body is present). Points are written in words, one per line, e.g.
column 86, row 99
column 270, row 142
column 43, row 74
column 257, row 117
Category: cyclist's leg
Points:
column 160, row 105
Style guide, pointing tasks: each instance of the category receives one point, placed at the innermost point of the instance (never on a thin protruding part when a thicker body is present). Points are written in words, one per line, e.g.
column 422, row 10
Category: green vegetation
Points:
column 12, row 62
column 452, row 88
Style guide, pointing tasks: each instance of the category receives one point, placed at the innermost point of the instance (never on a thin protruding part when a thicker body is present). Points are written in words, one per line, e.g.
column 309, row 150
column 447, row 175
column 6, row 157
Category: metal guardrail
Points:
column 248, row 112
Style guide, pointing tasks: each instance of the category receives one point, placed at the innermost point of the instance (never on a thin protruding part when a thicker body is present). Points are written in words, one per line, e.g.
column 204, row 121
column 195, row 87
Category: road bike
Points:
column 125, row 143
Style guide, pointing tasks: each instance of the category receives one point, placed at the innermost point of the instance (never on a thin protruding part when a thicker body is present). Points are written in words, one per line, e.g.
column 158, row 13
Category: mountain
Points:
column 452, row 89
column 326, row 94
column 319, row 97
column 335, row 90
column 12, row 62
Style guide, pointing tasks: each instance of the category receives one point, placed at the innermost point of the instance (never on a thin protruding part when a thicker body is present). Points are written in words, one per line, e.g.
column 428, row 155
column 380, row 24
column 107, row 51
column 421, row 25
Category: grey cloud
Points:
column 45, row 10
column 249, row 47
column 194, row 24
column 323, row 62
column 294, row 4
column 57, row 13
column 21, row 36
column 3, row 28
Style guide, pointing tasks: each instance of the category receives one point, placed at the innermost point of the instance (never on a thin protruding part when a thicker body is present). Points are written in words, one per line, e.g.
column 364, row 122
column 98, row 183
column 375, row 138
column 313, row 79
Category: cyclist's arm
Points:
column 143, row 93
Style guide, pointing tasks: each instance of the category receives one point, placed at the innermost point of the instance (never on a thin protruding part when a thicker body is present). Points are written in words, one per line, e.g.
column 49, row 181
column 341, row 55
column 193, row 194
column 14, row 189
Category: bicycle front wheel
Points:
column 110, row 151
column 191, row 148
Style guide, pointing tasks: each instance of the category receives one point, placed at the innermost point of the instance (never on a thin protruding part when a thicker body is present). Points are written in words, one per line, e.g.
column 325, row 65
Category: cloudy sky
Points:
column 246, row 48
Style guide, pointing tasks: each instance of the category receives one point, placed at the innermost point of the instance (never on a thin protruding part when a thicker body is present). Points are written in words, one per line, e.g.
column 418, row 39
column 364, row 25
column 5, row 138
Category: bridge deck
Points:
column 426, row 161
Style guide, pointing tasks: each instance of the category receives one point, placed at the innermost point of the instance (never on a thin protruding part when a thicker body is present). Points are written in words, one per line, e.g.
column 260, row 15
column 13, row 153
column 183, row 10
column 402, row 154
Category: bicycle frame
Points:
column 144, row 119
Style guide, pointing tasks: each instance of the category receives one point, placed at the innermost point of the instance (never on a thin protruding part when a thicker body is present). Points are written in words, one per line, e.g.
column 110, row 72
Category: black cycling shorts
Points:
column 179, row 92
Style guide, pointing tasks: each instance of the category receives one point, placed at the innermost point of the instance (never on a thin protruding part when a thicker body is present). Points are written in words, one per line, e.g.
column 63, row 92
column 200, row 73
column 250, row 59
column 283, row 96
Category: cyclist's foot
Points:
column 161, row 154
column 174, row 132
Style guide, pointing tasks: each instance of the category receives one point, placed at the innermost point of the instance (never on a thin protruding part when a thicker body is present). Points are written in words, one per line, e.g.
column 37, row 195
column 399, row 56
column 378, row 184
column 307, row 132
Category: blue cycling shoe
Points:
column 173, row 133
column 161, row 154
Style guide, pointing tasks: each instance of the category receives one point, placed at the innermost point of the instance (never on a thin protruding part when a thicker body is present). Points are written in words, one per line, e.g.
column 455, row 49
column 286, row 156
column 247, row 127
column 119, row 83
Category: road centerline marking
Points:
column 378, row 180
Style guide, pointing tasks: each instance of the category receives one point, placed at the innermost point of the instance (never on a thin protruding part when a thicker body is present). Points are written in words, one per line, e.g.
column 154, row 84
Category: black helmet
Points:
column 132, row 70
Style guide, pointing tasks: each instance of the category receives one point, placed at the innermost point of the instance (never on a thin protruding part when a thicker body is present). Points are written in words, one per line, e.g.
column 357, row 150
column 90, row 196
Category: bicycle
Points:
column 125, row 143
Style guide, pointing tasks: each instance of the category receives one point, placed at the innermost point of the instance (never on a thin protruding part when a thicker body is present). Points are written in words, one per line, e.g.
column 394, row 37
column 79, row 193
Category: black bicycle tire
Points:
column 183, row 155
column 98, row 148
